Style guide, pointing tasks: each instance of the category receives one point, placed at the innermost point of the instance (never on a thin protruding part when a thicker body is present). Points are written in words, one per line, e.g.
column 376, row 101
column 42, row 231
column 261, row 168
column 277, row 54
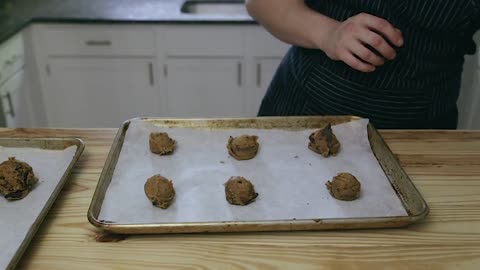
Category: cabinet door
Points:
column 84, row 92
column 204, row 87
column 14, row 96
column 263, row 71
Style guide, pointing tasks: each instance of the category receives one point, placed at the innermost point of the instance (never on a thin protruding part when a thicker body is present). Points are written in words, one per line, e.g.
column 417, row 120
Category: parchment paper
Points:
column 17, row 217
column 289, row 178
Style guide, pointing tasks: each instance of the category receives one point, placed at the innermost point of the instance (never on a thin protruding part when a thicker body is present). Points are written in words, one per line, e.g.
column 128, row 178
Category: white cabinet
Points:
column 204, row 70
column 204, row 87
column 14, row 98
column 102, row 75
column 99, row 92
column 96, row 75
column 15, row 101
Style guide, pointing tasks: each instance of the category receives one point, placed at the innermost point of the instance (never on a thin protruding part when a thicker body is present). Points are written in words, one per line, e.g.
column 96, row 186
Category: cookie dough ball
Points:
column 324, row 142
column 161, row 143
column 243, row 147
column 344, row 187
column 159, row 191
column 16, row 179
column 239, row 191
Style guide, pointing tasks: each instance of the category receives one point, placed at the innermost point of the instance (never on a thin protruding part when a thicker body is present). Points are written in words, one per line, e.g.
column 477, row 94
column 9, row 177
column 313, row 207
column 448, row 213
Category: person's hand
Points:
column 350, row 41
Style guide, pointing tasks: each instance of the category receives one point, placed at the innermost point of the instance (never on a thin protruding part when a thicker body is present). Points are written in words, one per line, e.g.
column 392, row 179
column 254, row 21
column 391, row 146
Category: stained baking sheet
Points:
column 289, row 178
column 19, row 219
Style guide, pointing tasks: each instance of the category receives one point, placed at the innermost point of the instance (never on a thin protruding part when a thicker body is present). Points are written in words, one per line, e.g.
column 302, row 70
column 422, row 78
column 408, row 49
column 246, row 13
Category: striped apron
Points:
column 418, row 89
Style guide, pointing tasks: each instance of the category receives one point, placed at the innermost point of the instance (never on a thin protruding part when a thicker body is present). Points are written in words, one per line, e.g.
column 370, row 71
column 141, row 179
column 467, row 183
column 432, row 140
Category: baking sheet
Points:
column 18, row 217
column 289, row 178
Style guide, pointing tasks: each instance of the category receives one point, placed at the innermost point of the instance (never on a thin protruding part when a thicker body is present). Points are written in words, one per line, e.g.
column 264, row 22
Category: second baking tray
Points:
column 411, row 199
column 34, row 214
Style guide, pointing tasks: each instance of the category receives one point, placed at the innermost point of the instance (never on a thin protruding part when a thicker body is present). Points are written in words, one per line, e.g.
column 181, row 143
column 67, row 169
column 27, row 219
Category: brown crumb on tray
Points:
column 106, row 237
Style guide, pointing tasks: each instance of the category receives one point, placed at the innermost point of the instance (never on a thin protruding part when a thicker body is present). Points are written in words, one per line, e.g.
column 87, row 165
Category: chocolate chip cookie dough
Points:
column 160, row 143
column 324, row 142
column 16, row 179
column 239, row 191
column 243, row 147
column 344, row 187
column 159, row 191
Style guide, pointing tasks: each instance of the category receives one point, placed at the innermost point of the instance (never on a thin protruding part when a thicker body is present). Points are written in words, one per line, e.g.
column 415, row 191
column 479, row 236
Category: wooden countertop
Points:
column 444, row 165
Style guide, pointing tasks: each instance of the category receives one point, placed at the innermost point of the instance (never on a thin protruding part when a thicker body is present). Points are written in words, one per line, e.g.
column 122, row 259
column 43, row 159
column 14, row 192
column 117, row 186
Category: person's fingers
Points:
column 366, row 54
column 383, row 27
column 377, row 42
column 355, row 63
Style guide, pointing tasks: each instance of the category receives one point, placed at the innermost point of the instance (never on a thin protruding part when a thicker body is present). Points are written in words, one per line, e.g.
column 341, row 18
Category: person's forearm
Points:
column 363, row 41
column 292, row 22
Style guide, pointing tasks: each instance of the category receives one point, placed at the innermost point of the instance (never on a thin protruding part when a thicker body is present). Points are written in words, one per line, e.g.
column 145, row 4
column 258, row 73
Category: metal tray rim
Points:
column 235, row 226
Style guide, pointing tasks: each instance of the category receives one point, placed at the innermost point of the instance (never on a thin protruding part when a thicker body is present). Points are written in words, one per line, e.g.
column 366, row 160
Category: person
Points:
column 396, row 62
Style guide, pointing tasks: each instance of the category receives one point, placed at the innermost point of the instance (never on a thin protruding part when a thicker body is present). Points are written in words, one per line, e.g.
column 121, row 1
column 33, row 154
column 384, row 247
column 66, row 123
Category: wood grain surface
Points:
column 444, row 165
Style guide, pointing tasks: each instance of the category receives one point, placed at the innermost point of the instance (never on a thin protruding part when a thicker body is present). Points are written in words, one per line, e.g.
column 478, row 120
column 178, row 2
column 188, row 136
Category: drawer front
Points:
column 210, row 40
column 98, row 40
column 11, row 57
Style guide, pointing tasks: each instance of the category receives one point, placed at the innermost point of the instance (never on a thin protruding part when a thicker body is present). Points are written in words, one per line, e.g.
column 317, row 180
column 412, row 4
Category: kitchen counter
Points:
column 444, row 165
column 17, row 14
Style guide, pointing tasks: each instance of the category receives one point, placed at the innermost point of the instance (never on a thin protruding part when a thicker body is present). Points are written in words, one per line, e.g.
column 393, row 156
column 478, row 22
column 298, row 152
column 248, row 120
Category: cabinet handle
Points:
column 259, row 74
column 98, row 43
column 10, row 104
column 239, row 73
column 165, row 70
column 150, row 74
